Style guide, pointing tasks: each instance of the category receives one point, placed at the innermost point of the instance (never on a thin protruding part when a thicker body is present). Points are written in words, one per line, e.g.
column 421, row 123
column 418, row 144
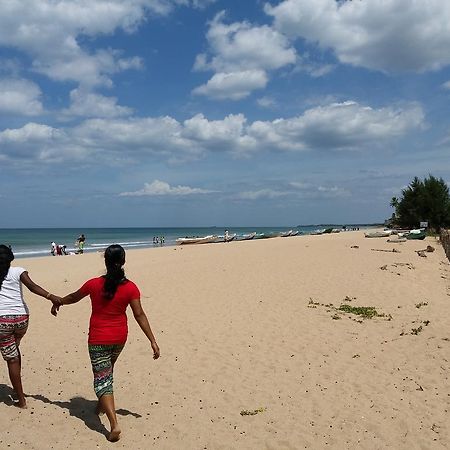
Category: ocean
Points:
column 30, row 242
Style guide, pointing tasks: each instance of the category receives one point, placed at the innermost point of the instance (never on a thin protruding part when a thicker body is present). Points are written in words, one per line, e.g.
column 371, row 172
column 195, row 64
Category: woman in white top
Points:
column 14, row 316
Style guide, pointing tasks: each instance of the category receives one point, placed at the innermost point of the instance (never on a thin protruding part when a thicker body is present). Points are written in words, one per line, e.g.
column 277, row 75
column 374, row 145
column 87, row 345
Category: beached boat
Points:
column 319, row 231
column 246, row 237
column 265, row 236
column 416, row 234
column 295, row 233
column 230, row 238
column 197, row 240
column 377, row 234
column 286, row 233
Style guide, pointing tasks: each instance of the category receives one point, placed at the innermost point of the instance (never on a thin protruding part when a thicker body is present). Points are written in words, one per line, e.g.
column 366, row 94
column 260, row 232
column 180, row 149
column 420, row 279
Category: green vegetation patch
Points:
column 253, row 412
column 364, row 311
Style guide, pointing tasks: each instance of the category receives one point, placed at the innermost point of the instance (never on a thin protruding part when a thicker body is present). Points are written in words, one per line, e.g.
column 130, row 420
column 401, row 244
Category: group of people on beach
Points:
column 61, row 249
column 110, row 296
column 158, row 240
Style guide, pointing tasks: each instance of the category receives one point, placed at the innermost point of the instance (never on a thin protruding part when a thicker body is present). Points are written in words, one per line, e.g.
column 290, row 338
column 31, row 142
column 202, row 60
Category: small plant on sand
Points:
column 253, row 412
column 419, row 305
column 364, row 311
column 416, row 331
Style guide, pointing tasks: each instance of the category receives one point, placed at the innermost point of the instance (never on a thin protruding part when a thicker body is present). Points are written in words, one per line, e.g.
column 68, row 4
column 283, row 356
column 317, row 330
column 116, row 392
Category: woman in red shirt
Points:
column 110, row 295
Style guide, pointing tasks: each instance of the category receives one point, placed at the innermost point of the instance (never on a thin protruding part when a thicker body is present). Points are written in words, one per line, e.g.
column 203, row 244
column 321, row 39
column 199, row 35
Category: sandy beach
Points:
column 249, row 327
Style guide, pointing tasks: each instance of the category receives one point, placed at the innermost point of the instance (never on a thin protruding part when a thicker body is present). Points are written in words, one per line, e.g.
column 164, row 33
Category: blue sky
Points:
column 218, row 112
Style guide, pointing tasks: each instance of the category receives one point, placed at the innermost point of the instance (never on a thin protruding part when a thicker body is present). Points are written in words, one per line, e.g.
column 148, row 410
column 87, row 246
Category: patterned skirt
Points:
column 12, row 329
column 103, row 358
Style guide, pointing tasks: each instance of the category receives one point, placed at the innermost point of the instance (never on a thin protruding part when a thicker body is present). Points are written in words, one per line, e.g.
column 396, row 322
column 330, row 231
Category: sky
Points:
column 118, row 113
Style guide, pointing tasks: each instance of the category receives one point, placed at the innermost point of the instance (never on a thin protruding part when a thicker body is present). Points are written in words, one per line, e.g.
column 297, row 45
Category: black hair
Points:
column 6, row 256
column 115, row 275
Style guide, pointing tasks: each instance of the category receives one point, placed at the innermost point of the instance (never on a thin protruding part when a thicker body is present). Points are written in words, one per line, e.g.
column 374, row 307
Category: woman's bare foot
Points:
column 114, row 435
column 20, row 404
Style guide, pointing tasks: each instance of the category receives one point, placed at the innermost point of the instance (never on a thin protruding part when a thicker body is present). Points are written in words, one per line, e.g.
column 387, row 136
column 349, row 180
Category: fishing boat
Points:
column 377, row 234
column 197, row 240
column 229, row 238
column 286, row 233
column 246, row 237
column 265, row 236
column 318, row 231
column 418, row 234
column 295, row 233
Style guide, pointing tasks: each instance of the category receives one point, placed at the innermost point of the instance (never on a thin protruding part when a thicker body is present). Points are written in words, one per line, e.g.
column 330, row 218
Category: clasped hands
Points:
column 57, row 303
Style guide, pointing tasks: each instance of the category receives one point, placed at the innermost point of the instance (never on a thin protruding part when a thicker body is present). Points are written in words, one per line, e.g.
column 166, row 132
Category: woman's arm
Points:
column 142, row 321
column 74, row 297
column 38, row 290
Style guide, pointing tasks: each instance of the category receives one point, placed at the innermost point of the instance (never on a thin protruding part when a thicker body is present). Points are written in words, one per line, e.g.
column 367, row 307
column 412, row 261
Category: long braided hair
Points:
column 115, row 275
column 6, row 256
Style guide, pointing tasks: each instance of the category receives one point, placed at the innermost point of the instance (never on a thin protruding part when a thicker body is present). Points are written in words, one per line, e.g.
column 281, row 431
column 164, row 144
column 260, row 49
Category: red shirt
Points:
column 108, row 324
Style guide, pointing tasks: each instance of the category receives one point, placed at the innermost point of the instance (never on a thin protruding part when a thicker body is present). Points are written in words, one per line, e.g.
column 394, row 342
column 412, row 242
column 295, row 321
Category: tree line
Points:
column 426, row 200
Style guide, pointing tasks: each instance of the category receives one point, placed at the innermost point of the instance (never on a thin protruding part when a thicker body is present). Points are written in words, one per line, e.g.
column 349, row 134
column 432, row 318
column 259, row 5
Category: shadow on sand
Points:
column 6, row 394
column 84, row 410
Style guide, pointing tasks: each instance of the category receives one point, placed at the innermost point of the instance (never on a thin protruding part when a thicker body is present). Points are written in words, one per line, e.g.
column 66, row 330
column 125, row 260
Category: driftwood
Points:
column 394, row 250
column 421, row 253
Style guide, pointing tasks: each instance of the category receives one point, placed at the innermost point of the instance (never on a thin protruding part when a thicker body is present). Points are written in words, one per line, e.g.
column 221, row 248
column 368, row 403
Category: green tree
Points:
column 427, row 200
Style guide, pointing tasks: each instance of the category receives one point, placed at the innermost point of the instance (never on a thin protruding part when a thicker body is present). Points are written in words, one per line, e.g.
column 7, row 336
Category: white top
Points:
column 11, row 298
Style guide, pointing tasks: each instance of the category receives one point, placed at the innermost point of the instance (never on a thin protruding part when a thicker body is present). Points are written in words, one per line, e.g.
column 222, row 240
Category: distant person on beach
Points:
column 53, row 248
column 80, row 243
column 227, row 236
column 110, row 296
column 14, row 316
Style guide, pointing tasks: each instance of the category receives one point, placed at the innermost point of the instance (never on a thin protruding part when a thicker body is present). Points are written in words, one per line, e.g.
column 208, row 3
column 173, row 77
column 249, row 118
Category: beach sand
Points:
column 249, row 326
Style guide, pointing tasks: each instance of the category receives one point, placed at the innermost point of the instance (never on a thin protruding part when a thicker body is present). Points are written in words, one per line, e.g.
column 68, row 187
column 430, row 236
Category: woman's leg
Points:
column 103, row 358
column 14, row 369
column 106, row 404
column 12, row 330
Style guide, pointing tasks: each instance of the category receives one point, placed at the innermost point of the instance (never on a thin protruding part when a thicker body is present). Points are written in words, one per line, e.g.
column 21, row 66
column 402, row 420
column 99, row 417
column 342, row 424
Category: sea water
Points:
column 29, row 242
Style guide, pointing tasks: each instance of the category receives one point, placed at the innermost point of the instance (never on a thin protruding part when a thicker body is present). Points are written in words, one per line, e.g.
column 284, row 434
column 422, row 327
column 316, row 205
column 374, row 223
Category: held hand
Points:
column 55, row 309
column 56, row 300
column 156, row 353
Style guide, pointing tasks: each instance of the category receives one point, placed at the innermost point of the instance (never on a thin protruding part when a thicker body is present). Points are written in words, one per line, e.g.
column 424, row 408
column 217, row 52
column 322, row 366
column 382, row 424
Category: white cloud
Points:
column 345, row 125
column 234, row 85
column 339, row 126
column 19, row 96
column 160, row 188
column 241, row 55
column 388, row 35
column 294, row 190
column 266, row 102
column 261, row 194
column 50, row 31
column 446, row 85
column 88, row 104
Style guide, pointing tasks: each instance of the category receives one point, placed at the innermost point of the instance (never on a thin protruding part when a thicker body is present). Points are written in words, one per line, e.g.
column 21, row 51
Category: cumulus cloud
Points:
column 346, row 125
column 88, row 104
column 161, row 188
column 241, row 55
column 33, row 142
column 19, row 96
column 338, row 126
column 389, row 35
column 50, row 32
column 233, row 85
